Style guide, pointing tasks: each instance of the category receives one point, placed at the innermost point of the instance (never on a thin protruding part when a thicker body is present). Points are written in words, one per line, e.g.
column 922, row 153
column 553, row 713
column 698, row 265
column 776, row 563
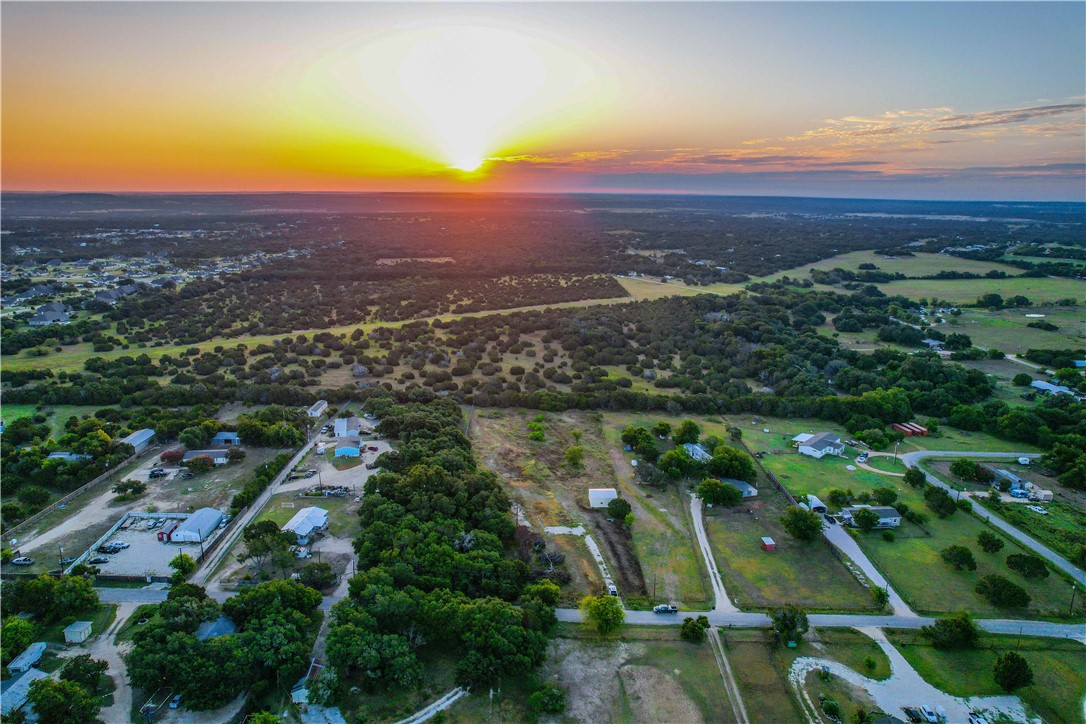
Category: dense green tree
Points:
column 1029, row 565
column 62, row 702
column 789, row 623
column 1001, row 592
column 548, row 699
column 727, row 462
column 1011, row 671
column 715, row 492
column 85, row 671
column 618, row 509
column 954, row 631
column 804, row 525
column 866, row 519
column 687, row 432
column 989, row 542
column 914, row 477
column 15, row 635
column 693, row 629
column 603, row 612
column 960, row 557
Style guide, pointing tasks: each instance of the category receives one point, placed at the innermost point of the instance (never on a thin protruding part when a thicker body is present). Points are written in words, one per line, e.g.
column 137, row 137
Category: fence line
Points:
column 70, row 496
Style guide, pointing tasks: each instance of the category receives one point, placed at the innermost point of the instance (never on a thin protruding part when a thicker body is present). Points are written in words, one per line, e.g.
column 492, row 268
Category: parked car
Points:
column 309, row 473
column 120, row 544
column 303, row 553
column 611, row 590
column 98, row 560
column 23, row 561
column 1037, row 509
column 1019, row 493
column 157, row 473
column 66, row 561
column 187, row 475
column 665, row 608
column 175, row 702
column 862, row 458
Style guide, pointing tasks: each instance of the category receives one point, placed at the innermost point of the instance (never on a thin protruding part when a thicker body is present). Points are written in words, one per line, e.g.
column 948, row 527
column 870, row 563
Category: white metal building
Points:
column 140, row 439
column 600, row 497
column 78, row 632
column 26, row 660
column 318, row 408
column 197, row 527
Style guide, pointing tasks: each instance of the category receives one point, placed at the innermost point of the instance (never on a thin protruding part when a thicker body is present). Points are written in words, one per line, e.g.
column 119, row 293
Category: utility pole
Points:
column 1074, row 590
column 654, row 588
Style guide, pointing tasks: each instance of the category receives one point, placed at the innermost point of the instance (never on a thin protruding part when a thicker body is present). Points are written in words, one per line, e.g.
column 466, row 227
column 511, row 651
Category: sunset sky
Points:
column 899, row 100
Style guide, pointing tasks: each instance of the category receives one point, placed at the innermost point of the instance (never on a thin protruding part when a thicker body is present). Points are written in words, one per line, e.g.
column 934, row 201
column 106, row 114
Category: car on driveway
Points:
column 23, row 561
column 66, row 561
column 97, row 561
column 665, row 608
column 187, row 475
column 862, row 458
column 157, row 473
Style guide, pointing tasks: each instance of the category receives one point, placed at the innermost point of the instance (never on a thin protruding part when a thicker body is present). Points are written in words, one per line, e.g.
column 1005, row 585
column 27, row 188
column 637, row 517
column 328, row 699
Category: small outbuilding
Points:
column 768, row 544
column 198, row 527
column 140, row 440
column 222, row 626
column 349, row 447
column 748, row 490
column 226, row 437
column 697, row 452
column 600, row 497
column 78, row 632
column 28, row 659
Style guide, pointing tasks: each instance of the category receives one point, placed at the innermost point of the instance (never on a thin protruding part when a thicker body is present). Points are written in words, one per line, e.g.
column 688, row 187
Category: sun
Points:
column 468, row 164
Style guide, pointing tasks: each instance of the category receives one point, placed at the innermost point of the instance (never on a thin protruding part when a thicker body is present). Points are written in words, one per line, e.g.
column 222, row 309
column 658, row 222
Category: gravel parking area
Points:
column 145, row 556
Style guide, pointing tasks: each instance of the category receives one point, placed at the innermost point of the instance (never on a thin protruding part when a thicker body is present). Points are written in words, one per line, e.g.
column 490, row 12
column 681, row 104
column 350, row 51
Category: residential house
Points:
column 44, row 319
column 317, row 409
column 112, row 296
column 306, row 522
column 347, row 427
column 824, row 443
column 28, row 659
column 1051, row 389
column 349, row 447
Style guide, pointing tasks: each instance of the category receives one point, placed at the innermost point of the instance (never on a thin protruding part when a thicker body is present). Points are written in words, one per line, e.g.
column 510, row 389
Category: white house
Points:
column 28, row 659
column 697, row 452
column 824, row 443
column 306, row 522
column 78, row 632
column 198, row 527
column 600, row 497
column 217, row 456
column 140, row 439
column 888, row 517
column 317, row 409
column 347, row 426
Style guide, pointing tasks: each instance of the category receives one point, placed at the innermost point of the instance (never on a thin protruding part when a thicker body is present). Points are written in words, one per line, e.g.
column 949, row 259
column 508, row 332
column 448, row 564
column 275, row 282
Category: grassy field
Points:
column 652, row 289
column 1059, row 677
column 342, row 519
column 919, row 264
column 761, row 668
column 57, row 414
column 1063, row 529
column 662, row 533
column 1006, row 329
column 1040, row 290
column 101, row 618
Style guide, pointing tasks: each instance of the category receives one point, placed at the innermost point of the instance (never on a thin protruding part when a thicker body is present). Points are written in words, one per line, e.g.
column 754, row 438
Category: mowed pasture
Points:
column 1040, row 290
column 1007, row 329
column 919, row 265
column 1059, row 678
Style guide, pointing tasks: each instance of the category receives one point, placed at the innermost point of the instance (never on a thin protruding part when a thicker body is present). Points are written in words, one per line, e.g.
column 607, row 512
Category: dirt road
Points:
column 722, row 603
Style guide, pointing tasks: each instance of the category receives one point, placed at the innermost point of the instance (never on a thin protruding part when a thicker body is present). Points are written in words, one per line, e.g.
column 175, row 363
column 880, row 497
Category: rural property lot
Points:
column 553, row 494
column 145, row 556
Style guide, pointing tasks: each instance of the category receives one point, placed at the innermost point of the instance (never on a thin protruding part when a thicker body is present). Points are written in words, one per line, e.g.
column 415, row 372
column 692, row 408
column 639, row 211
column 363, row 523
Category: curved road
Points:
column 913, row 458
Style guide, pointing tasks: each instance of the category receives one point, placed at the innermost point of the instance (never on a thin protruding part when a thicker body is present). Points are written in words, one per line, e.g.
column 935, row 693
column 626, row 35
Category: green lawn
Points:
column 342, row 520
column 1059, row 675
column 101, row 618
column 1040, row 290
column 57, row 414
column 1006, row 329
column 1063, row 529
column 889, row 464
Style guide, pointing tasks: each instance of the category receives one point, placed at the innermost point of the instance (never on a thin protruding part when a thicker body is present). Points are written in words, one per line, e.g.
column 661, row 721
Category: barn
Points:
column 198, row 527
column 140, row 440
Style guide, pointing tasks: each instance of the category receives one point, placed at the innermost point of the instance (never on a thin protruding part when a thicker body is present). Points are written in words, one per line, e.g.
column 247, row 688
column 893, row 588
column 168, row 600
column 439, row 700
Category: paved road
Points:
column 844, row 542
column 201, row 575
column 913, row 458
column 720, row 596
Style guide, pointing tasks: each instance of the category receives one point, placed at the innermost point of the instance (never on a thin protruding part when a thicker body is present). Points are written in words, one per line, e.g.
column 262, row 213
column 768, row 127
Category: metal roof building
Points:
column 140, row 439
column 28, row 658
column 197, row 527
column 307, row 520
column 15, row 695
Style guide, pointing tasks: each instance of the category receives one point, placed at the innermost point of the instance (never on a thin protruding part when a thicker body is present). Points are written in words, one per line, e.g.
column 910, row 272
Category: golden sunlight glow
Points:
column 461, row 95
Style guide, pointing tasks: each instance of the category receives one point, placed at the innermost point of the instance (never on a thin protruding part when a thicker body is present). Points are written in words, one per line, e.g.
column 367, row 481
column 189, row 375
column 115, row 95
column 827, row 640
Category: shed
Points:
column 226, row 438
column 349, row 447
column 305, row 522
column 197, row 527
column 165, row 533
column 768, row 544
column 140, row 439
column 697, row 452
column 317, row 408
column 222, row 626
column 813, row 503
column 28, row 659
column 16, row 694
column 600, row 497
column 78, row 632
column 748, row 490
column 217, row 456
